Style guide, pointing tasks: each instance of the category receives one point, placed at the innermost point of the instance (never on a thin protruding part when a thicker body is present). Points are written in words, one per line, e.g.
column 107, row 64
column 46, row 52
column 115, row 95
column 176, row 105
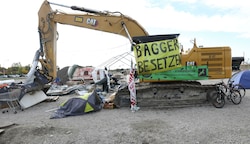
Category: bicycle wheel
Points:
column 240, row 88
column 236, row 97
column 217, row 99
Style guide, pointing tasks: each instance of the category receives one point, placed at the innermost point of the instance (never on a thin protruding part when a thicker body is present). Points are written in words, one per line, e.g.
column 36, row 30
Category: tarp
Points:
column 243, row 78
column 156, row 53
column 89, row 102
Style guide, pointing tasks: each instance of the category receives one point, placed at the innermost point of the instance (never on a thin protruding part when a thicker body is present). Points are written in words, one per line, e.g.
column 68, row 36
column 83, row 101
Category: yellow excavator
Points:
column 167, row 75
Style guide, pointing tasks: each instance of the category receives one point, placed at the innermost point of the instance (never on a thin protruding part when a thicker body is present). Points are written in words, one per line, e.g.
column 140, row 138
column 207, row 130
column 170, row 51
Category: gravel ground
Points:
column 190, row 125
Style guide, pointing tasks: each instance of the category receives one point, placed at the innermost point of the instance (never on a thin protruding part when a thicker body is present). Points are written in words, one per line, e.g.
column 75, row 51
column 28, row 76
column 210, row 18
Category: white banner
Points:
column 132, row 89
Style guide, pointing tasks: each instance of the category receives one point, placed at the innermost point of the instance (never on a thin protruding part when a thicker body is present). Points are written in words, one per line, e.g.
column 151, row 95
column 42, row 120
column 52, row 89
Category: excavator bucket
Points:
column 32, row 89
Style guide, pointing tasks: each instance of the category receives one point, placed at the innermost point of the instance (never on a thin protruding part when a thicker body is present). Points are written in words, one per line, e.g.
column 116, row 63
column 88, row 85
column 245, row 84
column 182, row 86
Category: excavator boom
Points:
column 111, row 22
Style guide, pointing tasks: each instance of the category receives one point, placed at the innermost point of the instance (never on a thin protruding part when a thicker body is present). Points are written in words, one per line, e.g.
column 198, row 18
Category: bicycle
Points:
column 238, row 87
column 225, row 91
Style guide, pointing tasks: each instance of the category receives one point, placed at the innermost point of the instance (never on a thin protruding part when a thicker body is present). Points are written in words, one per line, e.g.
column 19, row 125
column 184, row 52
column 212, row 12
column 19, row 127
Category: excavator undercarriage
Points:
column 164, row 95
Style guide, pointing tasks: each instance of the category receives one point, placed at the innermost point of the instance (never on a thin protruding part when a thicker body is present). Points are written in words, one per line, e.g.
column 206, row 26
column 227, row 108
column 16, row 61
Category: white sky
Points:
column 211, row 22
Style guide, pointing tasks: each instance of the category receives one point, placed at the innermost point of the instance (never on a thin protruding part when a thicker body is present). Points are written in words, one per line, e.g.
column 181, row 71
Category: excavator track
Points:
column 167, row 95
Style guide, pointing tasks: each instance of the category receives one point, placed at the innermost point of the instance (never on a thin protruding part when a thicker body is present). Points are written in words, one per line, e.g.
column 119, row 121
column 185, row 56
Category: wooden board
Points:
column 52, row 98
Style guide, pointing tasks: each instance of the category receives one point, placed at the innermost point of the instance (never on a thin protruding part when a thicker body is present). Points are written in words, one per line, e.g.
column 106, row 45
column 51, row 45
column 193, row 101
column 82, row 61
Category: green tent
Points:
column 90, row 102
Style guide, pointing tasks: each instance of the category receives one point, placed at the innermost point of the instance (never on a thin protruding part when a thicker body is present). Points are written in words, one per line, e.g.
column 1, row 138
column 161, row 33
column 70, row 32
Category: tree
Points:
column 25, row 69
column 16, row 65
column 16, row 68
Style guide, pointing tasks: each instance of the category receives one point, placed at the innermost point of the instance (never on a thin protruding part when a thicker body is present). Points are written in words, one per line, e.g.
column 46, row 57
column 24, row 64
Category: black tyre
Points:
column 209, row 95
column 240, row 88
column 236, row 97
column 217, row 100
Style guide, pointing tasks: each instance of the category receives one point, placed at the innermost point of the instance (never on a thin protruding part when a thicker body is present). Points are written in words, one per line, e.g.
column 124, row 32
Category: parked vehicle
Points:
column 224, row 92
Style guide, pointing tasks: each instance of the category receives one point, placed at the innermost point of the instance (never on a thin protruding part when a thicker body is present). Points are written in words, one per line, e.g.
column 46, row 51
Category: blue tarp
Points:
column 242, row 77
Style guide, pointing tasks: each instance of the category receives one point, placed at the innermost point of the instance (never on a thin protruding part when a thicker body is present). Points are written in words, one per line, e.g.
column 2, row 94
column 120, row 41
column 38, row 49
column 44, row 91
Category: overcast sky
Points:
column 211, row 22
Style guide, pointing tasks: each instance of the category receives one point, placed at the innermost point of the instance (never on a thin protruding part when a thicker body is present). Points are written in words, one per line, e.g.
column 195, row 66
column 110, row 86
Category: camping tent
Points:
column 242, row 77
column 89, row 102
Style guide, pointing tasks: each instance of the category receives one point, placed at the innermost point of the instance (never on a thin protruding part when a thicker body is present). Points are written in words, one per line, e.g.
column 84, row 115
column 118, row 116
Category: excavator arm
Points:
column 111, row 22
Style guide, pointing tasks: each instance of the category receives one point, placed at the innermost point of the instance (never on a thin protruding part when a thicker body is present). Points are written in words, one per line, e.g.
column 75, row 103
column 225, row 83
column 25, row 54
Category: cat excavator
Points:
column 167, row 75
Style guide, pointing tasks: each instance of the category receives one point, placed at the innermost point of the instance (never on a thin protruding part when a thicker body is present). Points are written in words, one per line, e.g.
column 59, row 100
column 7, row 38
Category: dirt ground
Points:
column 190, row 125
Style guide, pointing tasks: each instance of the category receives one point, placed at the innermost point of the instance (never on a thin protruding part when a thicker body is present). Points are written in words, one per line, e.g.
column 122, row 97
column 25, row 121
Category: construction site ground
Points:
column 189, row 125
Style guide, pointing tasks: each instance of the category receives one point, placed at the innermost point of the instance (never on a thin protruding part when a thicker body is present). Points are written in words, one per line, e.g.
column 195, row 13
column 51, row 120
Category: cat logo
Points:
column 91, row 21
